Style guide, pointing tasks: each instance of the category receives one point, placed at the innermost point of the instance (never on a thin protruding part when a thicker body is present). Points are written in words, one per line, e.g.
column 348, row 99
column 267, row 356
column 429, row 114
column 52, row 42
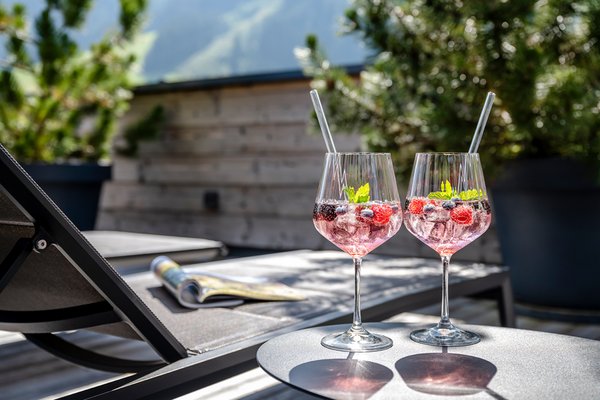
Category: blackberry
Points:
column 486, row 207
column 315, row 211
column 327, row 212
column 428, row 208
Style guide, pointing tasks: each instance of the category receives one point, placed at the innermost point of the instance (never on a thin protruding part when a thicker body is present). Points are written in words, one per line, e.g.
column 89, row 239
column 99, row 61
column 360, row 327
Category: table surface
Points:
column 506, row 364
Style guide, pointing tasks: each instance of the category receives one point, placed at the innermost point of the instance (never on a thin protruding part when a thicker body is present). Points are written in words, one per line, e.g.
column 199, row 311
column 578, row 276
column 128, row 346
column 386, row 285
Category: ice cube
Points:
column 438, row 231
column 362, row 230
column 347, row 223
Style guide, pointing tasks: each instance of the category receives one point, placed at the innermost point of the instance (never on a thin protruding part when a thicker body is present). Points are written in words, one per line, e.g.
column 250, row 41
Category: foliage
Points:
column 147, row 128
column 360, row 195
column 57, row 102
column 434, row 61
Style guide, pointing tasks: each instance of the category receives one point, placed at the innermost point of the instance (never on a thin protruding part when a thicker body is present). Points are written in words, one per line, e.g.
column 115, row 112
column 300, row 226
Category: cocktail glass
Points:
column 446, row 208
column 357, row 209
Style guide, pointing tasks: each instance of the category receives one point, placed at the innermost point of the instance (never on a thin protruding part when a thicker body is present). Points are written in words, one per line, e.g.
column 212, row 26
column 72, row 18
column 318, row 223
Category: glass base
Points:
column 356, row 340
column 447, row 335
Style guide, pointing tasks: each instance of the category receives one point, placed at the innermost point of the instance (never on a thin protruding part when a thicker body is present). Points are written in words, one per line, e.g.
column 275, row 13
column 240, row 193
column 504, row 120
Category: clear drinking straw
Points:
column 485, row 113
column 314, row 95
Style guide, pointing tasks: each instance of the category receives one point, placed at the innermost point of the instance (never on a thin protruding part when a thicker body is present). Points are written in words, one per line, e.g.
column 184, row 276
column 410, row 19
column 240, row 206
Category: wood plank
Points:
column 279, row 201
column 244, row 139
column 230, row 106
column 234, row 170
column 125, row 169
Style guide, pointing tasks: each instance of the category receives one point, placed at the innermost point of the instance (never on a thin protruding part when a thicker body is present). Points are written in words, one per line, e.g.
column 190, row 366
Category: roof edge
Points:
column 241, row 80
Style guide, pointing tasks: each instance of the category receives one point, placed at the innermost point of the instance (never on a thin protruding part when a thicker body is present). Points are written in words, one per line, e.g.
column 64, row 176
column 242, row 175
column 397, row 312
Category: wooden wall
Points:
column 248, row 144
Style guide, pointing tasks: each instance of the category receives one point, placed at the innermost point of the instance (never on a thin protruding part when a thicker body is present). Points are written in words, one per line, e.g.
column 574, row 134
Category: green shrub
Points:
column 434, row 61
column 57, row 102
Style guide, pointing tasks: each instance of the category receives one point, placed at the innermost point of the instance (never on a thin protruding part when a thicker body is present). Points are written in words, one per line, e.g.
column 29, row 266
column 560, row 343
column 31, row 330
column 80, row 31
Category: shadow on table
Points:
column 447, row 374
column 356, row 379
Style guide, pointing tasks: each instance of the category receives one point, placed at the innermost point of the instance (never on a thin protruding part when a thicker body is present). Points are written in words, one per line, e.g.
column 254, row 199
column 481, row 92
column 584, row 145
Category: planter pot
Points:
column 548, row 220
column 75, row 188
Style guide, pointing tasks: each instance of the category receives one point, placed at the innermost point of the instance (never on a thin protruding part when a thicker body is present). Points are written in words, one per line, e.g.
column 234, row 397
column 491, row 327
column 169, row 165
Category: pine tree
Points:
column 56, row 101
column 434, row 61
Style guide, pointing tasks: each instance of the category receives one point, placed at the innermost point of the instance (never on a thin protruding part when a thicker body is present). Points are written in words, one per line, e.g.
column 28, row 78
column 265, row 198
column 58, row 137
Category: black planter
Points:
column 75, row 188
column 547, row 214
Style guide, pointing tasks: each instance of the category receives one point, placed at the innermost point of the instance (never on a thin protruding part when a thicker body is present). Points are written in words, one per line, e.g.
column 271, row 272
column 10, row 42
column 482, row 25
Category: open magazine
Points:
column 205, row 289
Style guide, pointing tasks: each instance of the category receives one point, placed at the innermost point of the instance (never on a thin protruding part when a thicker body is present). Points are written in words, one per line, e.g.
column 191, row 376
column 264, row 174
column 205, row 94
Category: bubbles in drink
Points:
column 446, row 227
column 359, row 228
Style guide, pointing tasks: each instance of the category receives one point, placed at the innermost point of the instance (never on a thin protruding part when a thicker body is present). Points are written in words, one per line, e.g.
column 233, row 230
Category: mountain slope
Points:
column 196, row 39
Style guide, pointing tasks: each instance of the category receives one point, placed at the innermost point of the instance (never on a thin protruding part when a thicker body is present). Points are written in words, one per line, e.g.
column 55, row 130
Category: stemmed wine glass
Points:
column 357, row 208
column 446, row 208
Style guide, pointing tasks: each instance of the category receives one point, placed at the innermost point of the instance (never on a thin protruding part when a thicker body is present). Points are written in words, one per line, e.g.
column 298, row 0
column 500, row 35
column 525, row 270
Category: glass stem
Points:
column 357, row 321
column 445, row 314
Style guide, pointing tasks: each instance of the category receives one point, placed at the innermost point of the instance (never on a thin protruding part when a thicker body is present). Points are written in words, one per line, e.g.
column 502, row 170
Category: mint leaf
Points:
column 439, row 196
column 362, row 194
column 472, row 194
column 446, row 193
column 446, row 187
column 349, row 190
column 358, row 196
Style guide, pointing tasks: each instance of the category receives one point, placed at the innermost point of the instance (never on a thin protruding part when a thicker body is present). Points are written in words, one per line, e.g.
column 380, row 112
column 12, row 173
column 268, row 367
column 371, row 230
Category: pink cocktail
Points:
column 446, row 208
column 357, row 208
column 357, row 228
column 445, row 225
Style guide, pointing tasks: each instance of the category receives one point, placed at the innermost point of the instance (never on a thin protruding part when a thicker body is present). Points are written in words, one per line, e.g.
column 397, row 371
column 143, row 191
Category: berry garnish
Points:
column 428, row 208
column 448, row 205
column 366, row 213
column 341, row 210
column 462, row 215
column 486, row 207
column 382, row 213
column 327, row 212
column 316, row 211
column 416, row 205
column 456, row 199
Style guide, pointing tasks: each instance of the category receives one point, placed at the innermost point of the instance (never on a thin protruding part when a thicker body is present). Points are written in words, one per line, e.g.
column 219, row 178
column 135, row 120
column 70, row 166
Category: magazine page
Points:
column 200, row 290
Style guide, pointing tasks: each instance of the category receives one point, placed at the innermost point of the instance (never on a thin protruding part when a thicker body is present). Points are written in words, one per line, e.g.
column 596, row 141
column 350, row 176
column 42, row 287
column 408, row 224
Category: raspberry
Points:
column 327, row 212
column 416, row 205
column 462, row 215
column 382, row 213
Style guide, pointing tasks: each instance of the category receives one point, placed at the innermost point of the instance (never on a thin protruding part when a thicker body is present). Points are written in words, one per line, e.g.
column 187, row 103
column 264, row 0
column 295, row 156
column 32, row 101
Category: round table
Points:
column 506, row 364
